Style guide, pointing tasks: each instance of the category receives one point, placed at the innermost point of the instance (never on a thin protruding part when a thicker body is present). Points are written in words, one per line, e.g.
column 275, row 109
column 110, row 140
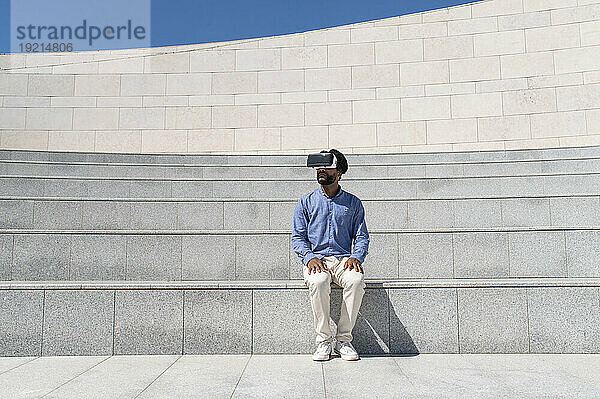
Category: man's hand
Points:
column 353, row 263
column 316, row 264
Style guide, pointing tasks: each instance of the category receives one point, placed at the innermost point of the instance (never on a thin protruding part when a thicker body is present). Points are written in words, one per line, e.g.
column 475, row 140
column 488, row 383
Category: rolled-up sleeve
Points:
column 361, row 234
column 300, row 244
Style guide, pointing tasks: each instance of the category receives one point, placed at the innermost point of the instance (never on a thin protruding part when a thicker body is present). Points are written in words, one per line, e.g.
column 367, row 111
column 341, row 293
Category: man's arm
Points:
column 361, row 235
column 300, row 243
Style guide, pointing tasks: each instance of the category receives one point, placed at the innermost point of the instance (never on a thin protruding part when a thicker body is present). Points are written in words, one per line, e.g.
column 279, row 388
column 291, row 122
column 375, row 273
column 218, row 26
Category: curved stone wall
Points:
column 497, row 74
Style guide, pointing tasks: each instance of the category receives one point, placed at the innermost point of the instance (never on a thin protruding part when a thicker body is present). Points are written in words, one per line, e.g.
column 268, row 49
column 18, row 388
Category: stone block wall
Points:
column 495, row 74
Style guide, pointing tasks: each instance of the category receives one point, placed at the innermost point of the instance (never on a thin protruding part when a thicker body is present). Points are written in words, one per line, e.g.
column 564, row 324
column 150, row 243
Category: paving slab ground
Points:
column 298, row 376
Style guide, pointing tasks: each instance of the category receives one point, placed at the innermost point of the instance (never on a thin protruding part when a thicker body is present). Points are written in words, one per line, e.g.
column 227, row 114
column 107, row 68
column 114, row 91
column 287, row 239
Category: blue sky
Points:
column 203, row 21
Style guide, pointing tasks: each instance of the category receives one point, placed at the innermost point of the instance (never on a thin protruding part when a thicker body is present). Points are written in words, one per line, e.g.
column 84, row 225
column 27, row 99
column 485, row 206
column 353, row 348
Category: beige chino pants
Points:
column 319, row 288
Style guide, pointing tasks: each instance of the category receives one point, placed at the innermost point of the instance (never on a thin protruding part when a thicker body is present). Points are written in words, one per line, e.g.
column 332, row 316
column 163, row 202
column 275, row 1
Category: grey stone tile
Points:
column 295, row 263
column 381, row 375
column 56, row 215
column 403, row 171
column 382, row 258
column 575, row 211
column 442, row 376
column 200, row 215
column 571, row 166
column 481, row 254
column 184, row 171
column 24, row 169
column 572, row 184
column 214, row 375
column 107, row 188
column 193, row 189
column 153, row 215
column 69, row 170
column 361, row 172
column 123, row 376
column 264, row 256
column 382, row 215
column 66, row 187
column 153, row 257
column 438, row 188
column 149, row 322
column 21, row 187
column 519, row 186
column 98, row 257
column 106, row 215
column 477, row 213
column 534, row 375
column 387, row 189
column 150, row 189
column 21, row 322
column 41, row 257
column 282, row 319
column 501, row 168
column 537, row 254
column 16, row 214
column 44, row 374
column 281, row 215
column 78, row 322
column 583, row 257
column 208, row 257
column 246, row 215
column 430, row 214
column 525, row 211
column 237, row 188
column 271, row 376
column 146, row 171
column 11, row 362
column 585, row 366
column 444, row 170
column 28, row 155
column 217, row 321
column 423, row 320
column 291, row 190
column 69, row 157
column 564, row 319
column 6, row 254
column 493, row 320
column 425, row 255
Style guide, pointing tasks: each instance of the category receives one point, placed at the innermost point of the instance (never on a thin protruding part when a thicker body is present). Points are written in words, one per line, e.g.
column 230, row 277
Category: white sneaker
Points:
column 323, row 351
column 346, row 350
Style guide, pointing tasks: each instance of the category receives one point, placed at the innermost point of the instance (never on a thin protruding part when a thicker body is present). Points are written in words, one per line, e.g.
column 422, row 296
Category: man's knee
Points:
column 319, row 281
column 355, row 281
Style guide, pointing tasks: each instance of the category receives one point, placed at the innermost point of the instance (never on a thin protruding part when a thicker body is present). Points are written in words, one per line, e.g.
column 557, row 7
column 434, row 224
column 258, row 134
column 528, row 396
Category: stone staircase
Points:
column 471, row 252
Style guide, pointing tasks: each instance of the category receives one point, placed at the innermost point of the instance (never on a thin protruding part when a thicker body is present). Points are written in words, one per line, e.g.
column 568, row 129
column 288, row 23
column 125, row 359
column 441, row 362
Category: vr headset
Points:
column 322, row 160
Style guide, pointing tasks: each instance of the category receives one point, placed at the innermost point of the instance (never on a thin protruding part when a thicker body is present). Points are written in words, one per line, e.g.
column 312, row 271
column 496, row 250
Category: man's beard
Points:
column 325, row 181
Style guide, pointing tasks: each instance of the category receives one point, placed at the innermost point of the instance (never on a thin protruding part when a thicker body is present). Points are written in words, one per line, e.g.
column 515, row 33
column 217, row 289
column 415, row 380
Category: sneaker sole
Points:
column 324, row 357
column 345, row 357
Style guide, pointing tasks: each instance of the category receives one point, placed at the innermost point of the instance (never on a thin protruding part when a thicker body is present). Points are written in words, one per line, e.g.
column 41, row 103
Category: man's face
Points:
column 326, row 177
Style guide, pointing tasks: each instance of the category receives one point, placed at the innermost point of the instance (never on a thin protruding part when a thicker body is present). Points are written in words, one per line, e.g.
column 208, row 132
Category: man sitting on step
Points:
column 326, row 221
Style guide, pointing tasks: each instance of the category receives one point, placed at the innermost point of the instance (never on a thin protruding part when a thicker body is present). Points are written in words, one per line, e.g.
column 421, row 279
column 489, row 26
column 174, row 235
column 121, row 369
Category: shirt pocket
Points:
column 342, row 215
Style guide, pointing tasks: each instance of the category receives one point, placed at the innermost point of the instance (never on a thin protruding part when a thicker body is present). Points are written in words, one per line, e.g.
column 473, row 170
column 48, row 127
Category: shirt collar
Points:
column 335, row 196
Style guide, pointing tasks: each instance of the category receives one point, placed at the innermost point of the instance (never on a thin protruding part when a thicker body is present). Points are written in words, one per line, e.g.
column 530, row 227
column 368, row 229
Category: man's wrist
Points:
column 308, row 257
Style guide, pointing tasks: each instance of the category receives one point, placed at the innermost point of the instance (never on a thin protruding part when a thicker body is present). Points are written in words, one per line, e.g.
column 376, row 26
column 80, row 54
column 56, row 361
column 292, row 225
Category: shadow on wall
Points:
column 378, row 330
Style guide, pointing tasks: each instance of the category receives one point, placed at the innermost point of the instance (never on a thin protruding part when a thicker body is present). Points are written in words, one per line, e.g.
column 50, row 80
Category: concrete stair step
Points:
column 249, row 255
column 567, row 152
column 105, row 318
column 450, row 187
column 251, row 214
column 395, row 170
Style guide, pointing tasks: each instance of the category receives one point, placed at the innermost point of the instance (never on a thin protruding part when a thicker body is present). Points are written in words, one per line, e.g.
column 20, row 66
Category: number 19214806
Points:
column 45, row 47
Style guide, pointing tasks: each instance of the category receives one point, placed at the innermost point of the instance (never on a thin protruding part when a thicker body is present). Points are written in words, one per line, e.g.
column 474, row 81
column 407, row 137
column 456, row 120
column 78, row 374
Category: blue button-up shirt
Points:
column 326, row 226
